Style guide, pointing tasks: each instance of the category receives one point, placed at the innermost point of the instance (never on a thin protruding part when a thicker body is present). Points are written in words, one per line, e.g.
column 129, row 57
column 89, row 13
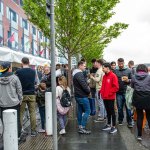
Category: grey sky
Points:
column 134, row 43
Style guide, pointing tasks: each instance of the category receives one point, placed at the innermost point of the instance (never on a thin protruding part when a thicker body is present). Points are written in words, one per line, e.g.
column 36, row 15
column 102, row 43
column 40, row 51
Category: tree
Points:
column 80, row 25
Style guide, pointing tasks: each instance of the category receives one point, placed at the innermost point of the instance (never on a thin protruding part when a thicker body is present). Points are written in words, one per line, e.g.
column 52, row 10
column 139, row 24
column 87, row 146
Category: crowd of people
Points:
column 105, row 83
column 26, row 87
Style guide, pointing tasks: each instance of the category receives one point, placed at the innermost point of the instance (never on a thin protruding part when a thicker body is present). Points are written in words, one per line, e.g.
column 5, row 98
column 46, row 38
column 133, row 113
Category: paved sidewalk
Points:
column 97, row 140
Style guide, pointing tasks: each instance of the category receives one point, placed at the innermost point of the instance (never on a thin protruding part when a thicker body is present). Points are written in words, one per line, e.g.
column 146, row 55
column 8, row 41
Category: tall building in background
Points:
column 17, row 33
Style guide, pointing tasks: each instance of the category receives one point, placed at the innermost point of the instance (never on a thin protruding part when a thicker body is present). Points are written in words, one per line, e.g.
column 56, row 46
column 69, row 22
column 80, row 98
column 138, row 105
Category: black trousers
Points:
column 109, row 105
column 140, row 116
column 93, row 92
column 17, row 107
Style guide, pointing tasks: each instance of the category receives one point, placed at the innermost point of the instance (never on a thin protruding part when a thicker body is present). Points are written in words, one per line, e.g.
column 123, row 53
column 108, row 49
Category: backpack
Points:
column 65, row 100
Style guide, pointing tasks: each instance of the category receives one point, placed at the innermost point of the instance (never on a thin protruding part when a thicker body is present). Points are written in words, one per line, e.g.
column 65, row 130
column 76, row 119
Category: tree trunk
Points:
column 69, row 71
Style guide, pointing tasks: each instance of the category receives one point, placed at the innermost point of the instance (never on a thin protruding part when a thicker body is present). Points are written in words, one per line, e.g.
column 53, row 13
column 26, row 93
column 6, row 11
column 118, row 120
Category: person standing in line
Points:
column 124, row 79
column 98, row 79
column 108, row 91
column 40, row 99
column 27, row 79
column 62, row 111
column 92, row 83
column 82, row 91
column 11, row 93
column 113, row 65
column 131, row 66
column 141, row 96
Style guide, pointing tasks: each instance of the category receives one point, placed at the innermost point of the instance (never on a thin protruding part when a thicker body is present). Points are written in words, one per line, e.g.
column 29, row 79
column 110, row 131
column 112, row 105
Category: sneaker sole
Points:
column 106, row 129
column 113, row 132
column 83, row 133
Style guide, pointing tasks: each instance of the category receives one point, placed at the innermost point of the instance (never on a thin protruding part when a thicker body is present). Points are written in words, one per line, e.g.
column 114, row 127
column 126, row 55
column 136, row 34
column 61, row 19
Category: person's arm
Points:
column 132, row 82
column 19, row 89
column 115, row 85
column 98, row 77
column 83, row 83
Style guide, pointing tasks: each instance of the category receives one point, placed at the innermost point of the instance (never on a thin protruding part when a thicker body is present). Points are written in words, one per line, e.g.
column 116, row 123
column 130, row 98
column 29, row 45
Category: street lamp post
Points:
column 50, row 14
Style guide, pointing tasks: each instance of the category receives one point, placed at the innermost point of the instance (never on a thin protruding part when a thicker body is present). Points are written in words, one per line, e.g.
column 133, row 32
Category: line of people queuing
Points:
column 18, row 90
column 108, row 83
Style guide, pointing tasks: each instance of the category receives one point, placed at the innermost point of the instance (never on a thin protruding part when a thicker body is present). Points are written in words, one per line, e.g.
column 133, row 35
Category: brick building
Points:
column 17, row 33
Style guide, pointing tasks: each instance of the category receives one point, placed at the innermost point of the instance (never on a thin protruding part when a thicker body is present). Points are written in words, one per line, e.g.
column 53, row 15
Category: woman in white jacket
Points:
column 62, row 111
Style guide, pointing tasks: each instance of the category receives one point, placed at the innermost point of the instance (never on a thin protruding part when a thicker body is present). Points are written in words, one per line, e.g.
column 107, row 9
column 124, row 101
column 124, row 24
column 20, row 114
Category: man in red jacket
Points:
column 108, row 92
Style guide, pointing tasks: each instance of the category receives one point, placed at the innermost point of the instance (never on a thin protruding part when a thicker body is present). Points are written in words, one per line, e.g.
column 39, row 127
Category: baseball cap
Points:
column 4, row 66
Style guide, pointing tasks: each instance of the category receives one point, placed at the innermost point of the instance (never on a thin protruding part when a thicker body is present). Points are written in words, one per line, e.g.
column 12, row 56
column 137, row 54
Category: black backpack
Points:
column 65, row 100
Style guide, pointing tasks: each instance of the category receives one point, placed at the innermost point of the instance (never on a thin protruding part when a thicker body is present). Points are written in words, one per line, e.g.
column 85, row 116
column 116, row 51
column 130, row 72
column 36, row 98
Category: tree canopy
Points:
column 80, row 25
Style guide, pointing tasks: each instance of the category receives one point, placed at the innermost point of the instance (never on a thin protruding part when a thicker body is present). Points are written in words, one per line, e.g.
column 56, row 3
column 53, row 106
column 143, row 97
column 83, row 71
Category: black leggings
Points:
column 140, row 116
column 109, row 105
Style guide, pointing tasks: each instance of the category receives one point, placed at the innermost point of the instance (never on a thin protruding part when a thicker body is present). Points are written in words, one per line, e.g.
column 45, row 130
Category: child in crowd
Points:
column 40, row 99
column 62, row 111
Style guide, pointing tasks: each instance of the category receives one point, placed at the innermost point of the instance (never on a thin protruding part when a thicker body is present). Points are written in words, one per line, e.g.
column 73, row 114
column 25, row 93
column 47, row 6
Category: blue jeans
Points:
column 42, row 115
column 121, row 101
column 83, row 106
column 62, row 120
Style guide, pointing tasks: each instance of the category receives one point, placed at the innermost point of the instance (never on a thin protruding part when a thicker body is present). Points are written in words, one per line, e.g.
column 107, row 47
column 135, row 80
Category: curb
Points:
column 129, row 139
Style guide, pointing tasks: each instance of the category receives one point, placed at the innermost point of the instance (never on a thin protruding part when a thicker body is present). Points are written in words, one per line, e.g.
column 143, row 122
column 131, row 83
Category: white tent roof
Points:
column 6, row 54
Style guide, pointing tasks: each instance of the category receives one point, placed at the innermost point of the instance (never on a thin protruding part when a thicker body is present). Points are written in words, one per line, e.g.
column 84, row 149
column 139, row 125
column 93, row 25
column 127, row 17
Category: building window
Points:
column 13, row 15
column 21, row 2
column 34, row 30
column 1, row 8
column 40, row 35
column 25, row 24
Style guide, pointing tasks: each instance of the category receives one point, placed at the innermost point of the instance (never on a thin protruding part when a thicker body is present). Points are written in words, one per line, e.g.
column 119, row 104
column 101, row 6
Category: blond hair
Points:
column 63, row 81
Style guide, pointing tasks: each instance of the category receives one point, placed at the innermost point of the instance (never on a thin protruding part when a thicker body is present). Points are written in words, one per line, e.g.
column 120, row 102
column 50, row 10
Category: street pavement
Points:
column 124, row 139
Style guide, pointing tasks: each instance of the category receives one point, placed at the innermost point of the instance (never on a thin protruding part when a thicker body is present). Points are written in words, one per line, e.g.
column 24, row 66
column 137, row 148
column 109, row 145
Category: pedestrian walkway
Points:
column 98, row 139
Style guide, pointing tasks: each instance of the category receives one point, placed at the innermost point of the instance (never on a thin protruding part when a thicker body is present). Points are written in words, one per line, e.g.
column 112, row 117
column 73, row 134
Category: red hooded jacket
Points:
column 109, row 86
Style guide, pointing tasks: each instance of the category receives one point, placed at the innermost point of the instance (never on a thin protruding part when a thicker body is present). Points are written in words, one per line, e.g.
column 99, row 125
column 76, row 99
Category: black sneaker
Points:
column 22, row 139
column 33, row 133
column 84, row 131
column 113, row 130
column 120, row 123
column 130, row 125
column 106, row 128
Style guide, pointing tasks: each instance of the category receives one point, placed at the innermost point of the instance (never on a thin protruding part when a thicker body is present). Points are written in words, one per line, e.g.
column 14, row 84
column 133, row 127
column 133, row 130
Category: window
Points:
column 13, row 15
column 21, row 2
column 16, row 1
column 1, row 8
column 40, row 35
column 24, row 24
column 34, row 30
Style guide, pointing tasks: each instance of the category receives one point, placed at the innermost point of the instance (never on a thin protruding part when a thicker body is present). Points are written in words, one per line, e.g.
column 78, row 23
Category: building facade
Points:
column 17, row 33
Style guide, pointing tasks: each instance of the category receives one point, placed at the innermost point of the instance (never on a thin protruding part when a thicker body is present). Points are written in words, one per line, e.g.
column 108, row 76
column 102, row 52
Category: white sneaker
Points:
column 63, row 131
column 41, row 131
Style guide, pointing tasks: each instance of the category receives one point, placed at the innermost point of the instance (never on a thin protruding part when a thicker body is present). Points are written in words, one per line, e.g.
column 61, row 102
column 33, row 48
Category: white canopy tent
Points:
column 6, row 54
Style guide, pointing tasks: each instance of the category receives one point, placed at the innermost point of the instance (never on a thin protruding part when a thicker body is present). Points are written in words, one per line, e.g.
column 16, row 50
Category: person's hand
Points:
column 125, row 79
column 91, row 76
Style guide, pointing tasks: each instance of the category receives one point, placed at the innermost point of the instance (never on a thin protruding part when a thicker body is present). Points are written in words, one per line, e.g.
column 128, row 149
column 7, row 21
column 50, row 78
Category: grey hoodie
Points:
column 141, row 82
column 10, row 90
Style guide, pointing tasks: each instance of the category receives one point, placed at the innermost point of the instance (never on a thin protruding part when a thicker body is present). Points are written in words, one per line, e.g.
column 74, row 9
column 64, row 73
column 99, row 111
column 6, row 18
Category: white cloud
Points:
column 134, row 43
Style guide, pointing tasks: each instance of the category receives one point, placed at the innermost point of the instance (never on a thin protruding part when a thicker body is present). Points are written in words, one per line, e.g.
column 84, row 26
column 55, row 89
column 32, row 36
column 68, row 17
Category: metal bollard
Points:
column 10, row 137
column 48, row 113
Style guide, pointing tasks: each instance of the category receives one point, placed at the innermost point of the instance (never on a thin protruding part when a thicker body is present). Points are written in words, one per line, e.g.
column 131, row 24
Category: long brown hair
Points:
column 63, row 81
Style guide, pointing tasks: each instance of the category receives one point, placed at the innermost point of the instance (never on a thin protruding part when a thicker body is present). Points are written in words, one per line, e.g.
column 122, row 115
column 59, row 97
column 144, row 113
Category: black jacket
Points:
column 120, row 73
column 47, row 79
column 81, row 88
column 141, row 95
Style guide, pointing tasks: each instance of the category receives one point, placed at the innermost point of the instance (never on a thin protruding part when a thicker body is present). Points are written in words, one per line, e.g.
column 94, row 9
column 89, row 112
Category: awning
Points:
column 6, row 54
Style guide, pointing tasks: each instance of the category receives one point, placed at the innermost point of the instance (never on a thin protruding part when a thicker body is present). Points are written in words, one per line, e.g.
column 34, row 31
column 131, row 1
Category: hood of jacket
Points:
column 6, row 78
column 141, row 75
column 75, row 72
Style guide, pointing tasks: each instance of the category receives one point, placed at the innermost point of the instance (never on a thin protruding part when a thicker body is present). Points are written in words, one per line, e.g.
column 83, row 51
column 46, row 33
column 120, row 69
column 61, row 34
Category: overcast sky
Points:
column 133, row 43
